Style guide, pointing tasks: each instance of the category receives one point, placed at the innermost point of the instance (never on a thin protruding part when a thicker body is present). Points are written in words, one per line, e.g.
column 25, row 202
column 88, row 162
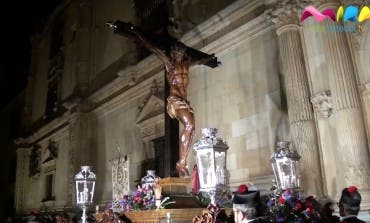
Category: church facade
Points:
column 94, row 97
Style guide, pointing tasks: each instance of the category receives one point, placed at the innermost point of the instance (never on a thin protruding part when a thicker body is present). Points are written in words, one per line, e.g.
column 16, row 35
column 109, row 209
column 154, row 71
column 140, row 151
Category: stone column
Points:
column 21, row 174
column 350, row 128
column 301, row 118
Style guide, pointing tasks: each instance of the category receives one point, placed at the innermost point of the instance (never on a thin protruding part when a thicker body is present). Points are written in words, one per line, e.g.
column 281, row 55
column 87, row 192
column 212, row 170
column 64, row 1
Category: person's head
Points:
column 349, row 203
column 245, row 204
column 178, row 52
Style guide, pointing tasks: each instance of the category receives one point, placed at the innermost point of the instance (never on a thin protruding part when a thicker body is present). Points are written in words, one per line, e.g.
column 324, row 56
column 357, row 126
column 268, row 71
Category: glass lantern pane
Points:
column 90, row 190
column 287, row 178
column 220, row 164
column 206, row 169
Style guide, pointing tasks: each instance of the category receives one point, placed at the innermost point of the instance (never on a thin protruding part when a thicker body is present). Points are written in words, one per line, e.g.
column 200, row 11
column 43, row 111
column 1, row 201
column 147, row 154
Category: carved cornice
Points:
column 322, row 104
column 228, row 19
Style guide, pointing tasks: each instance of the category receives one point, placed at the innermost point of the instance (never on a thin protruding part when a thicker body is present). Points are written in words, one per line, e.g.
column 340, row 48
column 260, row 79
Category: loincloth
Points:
column 174, row 103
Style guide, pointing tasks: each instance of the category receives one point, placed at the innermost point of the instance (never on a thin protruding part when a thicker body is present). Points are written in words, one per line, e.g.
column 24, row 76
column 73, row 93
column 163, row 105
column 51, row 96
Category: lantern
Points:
column 85, row 185
column 211, row 161
column 148, row 180
column 285, row 166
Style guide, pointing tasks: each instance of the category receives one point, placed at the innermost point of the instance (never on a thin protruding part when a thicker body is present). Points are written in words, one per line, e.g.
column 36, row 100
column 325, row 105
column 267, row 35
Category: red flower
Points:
column 351, row 189
column 281, row 200
column 297, row 206
column 309, row 209
column 242, row 189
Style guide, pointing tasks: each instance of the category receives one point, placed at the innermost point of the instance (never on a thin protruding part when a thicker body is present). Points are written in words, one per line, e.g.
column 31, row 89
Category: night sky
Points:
column 20, row 19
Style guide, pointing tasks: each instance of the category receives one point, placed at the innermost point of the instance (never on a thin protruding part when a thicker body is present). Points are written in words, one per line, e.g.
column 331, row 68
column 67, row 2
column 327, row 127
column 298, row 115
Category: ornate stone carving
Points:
column 120, row 177
column 322, row 104
column 287, row 12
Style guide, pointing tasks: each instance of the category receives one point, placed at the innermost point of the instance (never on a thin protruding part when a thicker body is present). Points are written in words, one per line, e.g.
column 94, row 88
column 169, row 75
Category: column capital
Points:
column 285, row 15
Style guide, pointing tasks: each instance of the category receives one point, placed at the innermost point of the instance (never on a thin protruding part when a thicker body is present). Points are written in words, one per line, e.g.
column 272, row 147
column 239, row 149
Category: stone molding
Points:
column 52, row 130
column 226, row 20
column 322, row 104
column 112, row 103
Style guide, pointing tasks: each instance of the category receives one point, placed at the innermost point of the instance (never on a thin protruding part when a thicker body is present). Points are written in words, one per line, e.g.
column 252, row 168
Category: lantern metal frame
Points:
column 85, row 186
column 285, row 164
column 211, row 156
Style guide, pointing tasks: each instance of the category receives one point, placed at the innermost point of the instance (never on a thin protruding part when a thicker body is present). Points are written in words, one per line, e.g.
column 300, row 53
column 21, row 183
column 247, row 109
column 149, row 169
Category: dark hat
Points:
column 248, row 198
column 351, row 196
column 251, row 198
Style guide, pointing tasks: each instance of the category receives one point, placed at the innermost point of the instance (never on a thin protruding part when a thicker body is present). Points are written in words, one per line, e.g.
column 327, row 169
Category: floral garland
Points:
column 291, row 207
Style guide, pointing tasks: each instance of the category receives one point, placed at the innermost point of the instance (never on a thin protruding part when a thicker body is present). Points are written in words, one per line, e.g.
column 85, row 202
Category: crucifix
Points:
column 177, row 59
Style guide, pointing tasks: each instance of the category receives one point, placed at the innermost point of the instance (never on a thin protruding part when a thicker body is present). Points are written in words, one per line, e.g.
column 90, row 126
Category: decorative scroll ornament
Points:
column 322, row 104
column 120, row 177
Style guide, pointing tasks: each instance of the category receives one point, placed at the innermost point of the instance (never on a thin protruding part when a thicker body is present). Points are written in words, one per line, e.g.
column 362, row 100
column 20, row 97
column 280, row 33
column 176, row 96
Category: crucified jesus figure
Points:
column 177, row 59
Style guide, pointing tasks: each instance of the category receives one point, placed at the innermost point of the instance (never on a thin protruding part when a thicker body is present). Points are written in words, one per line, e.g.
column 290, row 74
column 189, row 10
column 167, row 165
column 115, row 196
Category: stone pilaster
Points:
column 361, row 50
column 350, row 128
column 21, row 174
column 78, row 153
column 84, row 37
column 301, row 118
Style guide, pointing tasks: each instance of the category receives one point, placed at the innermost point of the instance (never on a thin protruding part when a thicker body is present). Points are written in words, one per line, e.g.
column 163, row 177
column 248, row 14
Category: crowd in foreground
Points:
column 246, row 204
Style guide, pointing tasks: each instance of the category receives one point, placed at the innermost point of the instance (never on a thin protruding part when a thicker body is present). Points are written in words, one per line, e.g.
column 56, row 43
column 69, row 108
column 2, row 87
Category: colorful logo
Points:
column 350, row 13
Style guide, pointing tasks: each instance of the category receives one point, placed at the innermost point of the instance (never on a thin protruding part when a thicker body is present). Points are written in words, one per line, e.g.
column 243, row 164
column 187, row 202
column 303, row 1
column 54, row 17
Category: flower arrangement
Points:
column 143, row 199
column 289, row 206
column 223, row 198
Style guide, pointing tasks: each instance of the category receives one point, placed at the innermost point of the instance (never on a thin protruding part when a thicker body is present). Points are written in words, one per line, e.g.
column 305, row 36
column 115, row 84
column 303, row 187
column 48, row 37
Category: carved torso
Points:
column 177, row 77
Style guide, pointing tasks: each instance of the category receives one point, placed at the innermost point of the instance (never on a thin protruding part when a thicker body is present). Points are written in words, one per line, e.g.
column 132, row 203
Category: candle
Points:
column 97, row 208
